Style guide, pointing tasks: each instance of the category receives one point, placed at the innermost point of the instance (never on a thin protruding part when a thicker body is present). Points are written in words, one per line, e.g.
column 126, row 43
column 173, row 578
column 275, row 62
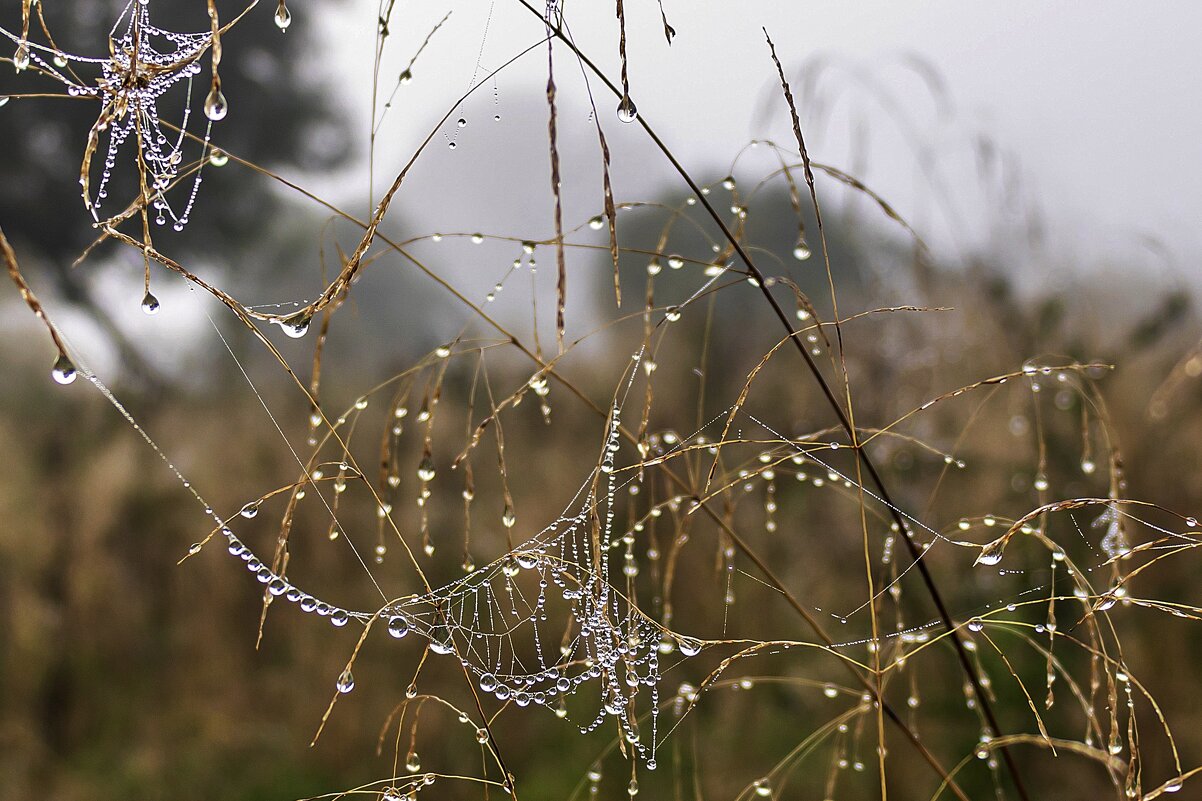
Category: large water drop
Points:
column 627, row 112
column 215, row 105
column 150, row 304
column 63, row 370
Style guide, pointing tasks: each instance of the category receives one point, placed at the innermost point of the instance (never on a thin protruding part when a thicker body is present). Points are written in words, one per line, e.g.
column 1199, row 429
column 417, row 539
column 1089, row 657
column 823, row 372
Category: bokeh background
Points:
column 1043, row 153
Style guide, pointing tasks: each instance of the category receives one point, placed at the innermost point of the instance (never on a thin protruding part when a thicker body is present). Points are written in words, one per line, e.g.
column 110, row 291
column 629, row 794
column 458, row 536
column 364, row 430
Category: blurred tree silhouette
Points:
column 286, row 116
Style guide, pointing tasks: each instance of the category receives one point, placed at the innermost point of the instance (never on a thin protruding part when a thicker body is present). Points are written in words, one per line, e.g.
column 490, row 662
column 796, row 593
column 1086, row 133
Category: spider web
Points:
column 146, row 63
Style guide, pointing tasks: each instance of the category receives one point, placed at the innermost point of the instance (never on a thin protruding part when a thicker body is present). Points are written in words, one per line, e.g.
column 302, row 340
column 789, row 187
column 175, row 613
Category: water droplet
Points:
column 1173, row 785
column 477, row 239
column 1088, row 466
column 488, row 682
column 762, row 788
column 632, row 789
column 425, row 470
column 461, row 122
column 297, row 325
column 991, row 553
column 672, row 314
column 689, row 646
column 60, row 60
column 339, row 617
column 150, row 304
column 398, row 626
column 215, row 106
column 194, row 549
column 481, row 736
column 675, row 262
column 21, row 57
column 346, row 682
column 218, row 158
column 441, row 641
column 413, row 763
column 627, row 112
column 283, row 18
column 63, row 370
column 976, row 624
column 508, row 518
column 596, row 223
column 801, row 251
column 406, row 77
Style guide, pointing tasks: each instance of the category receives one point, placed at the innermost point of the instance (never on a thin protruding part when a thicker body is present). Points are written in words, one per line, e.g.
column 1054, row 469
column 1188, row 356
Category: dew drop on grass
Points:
column 425, row 470
column 150, row 304
column 21, row 57
column 215, row 106
column 596, row 223
column 346, row 682
column 762, row 788
column 406, row 78
column 413, row 763
column 283, row 17
column 627, row 112
column 297, row 325
column 991, row 553
column 64, row 370
column 689, row 646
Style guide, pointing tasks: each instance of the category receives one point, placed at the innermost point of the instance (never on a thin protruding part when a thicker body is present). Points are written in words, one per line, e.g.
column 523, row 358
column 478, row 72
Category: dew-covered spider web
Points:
column 145, row 64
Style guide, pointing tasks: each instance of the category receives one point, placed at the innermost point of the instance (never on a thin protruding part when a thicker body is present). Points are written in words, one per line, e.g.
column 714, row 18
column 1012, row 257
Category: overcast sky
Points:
column 1096, row 102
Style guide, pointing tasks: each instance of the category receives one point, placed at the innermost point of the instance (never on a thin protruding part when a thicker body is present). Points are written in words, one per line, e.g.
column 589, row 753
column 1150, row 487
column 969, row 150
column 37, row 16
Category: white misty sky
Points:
column 1097, row 101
